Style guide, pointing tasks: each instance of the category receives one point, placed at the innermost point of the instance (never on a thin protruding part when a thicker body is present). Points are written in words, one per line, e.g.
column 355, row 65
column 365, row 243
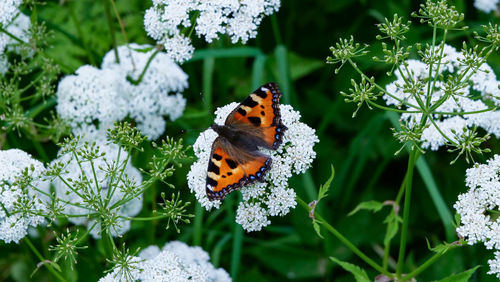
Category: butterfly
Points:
column 235, row 159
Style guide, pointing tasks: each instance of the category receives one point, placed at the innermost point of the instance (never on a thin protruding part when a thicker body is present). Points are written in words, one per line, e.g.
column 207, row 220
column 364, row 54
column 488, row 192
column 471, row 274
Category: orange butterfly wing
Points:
column 261, row 110
column 225, row 173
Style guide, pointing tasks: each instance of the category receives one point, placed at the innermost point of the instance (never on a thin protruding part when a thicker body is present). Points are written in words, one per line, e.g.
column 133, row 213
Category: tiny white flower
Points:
column 251, row 216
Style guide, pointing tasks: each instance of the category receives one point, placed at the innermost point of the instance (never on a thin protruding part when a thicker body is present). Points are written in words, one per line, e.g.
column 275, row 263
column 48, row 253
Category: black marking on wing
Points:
column 255, row 120
column 242, row 112
column 213, row 168
column 249, row 102
column 232, row 164
column 211, row 182
column 217, row 157
column 260, row 93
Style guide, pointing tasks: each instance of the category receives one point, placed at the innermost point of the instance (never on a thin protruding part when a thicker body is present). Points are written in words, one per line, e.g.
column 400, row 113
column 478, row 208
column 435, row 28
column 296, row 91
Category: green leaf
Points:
column 392, row 220
column 440, row 249
column 373, row 206
column 359, row 274
column 317, row 229
column 460, row 277
column 323, row 189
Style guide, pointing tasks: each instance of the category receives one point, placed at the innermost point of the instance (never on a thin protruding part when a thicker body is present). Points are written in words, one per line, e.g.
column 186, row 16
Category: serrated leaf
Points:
column 323, row 189
column 440, row 249
column 373, row 206
column 460, row 277
column 358, row 273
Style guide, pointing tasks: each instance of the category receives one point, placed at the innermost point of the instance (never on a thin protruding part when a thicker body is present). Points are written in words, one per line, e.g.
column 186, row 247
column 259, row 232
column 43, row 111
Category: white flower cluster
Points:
column 77, row 169
column 175, row 262
column 237, row 18
column 272, row 197
column 486, row 5
column 479, row 208
column 19, row 27
column 8, row 10
column 105, row 94
column 484, row 81
column 20, row 207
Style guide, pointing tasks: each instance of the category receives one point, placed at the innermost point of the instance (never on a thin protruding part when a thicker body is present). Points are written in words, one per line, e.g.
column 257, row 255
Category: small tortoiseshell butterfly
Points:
column 235, row 159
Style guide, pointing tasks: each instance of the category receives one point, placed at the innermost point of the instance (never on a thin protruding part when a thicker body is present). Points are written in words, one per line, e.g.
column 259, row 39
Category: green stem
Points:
column 237, row 246
column 139, row 79
column 344, row 240
column 111, row 30
column 40, row 257
column 434, row 31
column 406, row 213
column 390, row 109
column 276, row 30
column 427, row 263
column 403, row 102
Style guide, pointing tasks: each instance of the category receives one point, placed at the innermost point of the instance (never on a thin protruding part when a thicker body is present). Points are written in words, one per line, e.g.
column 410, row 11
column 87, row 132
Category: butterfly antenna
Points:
column 207, row 107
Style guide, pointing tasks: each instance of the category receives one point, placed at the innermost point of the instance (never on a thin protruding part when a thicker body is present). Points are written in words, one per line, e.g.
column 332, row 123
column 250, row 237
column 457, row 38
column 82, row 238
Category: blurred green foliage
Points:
column 290, row 49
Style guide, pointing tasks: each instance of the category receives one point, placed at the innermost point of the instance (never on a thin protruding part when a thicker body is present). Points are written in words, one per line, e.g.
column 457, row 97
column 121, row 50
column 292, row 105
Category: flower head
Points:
column 108, row 95
column 175, row 262
column 479, row 207
column 158, row 94
column 20, row 204
column 94, row 177
column 272, row 197
column 449, row 97
column 167, row 19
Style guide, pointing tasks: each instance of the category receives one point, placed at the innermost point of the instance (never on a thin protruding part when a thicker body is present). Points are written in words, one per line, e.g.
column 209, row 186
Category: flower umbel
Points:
column 479, row 208
column 344, row 51
column 175, row 262
column 361, row 93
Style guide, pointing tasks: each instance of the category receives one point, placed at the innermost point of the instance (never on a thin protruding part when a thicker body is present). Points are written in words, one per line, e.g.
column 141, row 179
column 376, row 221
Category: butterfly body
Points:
column 235, row 159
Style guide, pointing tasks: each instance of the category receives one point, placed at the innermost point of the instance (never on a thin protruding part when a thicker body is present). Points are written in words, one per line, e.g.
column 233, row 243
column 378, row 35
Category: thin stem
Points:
column 111, row 30
column 434, row 31
column 144, row 218
column 406, row 212
column 344, row 240
column 391, row 109
column 276, row 30
column 429, row 99
column 139, row 79
column 427, row 263
column 441, row 132
column 465, row 113
column 380, row 87
column 40, row 257
column 122, row 27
